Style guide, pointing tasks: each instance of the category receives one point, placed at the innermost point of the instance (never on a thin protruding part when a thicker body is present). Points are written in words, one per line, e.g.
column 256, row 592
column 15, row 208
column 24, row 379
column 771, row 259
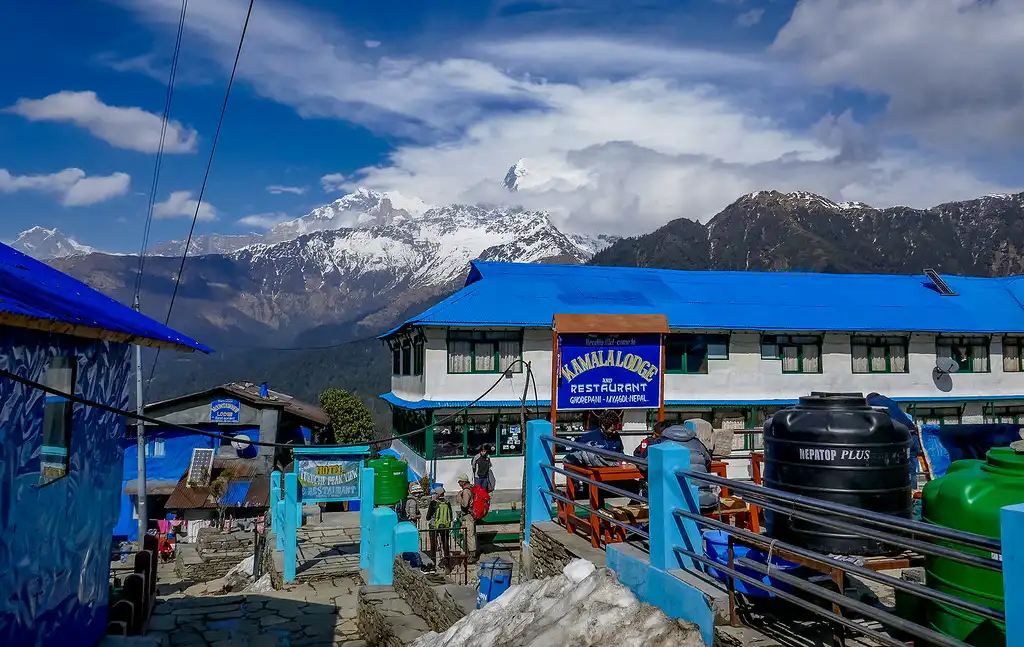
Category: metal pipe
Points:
column 607, row 453
column 800, row 602
column 601, row 486
column 864, row 516
column 868, row 611
column 888, row 580
column 600, row 513
column 903, row 542
column 141, row 506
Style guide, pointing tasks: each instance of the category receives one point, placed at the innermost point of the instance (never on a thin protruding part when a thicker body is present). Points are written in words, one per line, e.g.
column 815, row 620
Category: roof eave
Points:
column 91, row 332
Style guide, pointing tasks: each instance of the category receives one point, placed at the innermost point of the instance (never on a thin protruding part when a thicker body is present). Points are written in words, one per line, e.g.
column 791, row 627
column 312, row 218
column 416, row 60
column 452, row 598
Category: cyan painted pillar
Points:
column 382, row 555
column 276, row 520
column 1011, row 522
column 291, row 499
column 667, row 492
column 538, row 452
column 365, row 512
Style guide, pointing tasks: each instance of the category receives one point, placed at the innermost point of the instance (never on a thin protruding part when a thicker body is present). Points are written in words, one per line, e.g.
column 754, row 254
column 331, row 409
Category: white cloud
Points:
column 264, row 220
column 333, row 182
column 372, row 44
column 72, row 185
column 949, row 69
column 750, row 18
column 181, row 205
column 618, row 135
column 277, row 189
column 129, row 128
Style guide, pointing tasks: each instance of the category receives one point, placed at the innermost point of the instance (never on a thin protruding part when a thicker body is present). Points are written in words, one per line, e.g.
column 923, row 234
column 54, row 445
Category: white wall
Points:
column 744, row 376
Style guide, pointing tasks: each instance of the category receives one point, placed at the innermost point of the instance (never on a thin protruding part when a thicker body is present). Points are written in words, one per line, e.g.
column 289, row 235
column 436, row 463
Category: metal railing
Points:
column 551, row 442
column 675, row 540
column 894, row 531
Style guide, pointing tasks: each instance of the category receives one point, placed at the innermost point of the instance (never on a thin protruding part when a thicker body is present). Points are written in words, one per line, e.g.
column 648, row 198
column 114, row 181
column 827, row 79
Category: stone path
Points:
column 326, row 552
column 322, row 614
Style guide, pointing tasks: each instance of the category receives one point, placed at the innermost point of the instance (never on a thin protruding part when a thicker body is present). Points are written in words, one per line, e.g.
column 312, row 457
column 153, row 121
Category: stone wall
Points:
column 552, row 548
column 385, row 620
column 213, row 554
column 433, row 604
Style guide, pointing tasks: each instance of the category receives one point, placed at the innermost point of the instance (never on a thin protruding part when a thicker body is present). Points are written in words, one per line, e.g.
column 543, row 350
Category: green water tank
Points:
column 969, row 498
column 390, row 480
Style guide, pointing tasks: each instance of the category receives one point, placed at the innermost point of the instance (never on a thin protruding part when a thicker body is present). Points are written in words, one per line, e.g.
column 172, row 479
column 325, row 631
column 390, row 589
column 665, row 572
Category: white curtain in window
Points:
column 898, row 358
column 979, row 363
column 790, row 359
column 460, row 357
column 1011, row 358
column 812, row 360
column 484, row 356
column 878, row 359
column 860, row 358
column 508, row 352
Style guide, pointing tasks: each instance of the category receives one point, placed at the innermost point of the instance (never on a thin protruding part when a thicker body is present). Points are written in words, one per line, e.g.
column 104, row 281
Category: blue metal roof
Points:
column 31, row 290
column 391, row 398
column 528, row 295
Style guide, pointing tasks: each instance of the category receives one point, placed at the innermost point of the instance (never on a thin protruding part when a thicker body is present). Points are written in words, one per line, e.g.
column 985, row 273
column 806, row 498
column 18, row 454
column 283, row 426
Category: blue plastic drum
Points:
column 716, row 543
column 495, row 578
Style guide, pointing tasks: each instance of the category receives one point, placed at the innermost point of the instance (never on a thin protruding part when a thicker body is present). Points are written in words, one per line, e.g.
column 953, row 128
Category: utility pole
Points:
column 140, row 442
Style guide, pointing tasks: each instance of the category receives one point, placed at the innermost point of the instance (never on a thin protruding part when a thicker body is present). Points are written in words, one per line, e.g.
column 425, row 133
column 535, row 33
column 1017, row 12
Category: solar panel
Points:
column 939, row 284
column 200, row 467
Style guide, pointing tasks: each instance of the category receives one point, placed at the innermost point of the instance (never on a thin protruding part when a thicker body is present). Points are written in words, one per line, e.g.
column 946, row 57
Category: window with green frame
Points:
column 1013, row 354
column 799, row 353
column 407, row 357
column 463, row 435
column 480, row 351
column 878, row 354
column 687, row 353
column 405, row 421
column 970, row 353
column 1009, row 415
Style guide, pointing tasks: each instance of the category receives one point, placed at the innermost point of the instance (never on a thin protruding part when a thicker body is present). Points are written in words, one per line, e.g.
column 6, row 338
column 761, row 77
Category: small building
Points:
column 61, row 461
column 243, row 495
column 238, row 409
column 741, row 346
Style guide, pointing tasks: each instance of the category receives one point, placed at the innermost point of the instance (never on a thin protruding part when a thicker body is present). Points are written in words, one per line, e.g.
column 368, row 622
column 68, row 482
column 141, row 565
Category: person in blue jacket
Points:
column 700, row 459
column 605, row 437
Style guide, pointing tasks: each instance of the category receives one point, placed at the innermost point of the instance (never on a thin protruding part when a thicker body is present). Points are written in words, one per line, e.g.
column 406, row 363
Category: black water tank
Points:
column 834, row 447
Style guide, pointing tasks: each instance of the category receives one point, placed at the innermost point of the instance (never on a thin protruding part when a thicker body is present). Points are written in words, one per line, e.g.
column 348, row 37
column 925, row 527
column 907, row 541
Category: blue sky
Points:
column 627, row 115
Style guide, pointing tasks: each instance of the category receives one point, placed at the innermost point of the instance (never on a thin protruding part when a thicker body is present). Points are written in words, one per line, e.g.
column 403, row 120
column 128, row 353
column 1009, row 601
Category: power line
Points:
column 202, row 432
column 160, row 149
column 206, row 178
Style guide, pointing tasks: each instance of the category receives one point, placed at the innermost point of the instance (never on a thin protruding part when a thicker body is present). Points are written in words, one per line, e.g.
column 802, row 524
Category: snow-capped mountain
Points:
column 206, row 244
column 360, row 209
column 515, row 173
column 45, row 244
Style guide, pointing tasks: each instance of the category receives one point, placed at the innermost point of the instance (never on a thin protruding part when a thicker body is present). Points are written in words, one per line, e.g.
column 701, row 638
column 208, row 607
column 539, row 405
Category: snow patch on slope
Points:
column 582, row 607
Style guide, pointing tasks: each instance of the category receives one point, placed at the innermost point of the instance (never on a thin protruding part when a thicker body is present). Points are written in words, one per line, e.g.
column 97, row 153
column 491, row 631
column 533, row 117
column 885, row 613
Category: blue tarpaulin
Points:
column 235, row 493
column 944, row 444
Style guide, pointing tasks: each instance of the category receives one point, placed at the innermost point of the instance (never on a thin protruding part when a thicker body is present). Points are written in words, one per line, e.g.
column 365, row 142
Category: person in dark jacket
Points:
column 700, row 460
column 481, row 465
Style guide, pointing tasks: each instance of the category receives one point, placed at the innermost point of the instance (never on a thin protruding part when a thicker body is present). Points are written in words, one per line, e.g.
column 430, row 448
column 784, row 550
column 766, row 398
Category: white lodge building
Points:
column 742, row 345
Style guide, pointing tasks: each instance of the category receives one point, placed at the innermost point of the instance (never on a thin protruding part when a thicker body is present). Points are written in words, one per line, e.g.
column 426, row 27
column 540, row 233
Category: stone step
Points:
column 328, row 567
column 385, row 620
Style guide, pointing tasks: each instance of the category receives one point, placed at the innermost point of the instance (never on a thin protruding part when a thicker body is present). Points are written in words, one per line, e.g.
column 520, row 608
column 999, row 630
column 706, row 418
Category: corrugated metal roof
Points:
column 247, row 487
column 527, row 294
column 154, row 487
column 250, row 393
column 35, row 295
column 391, row 398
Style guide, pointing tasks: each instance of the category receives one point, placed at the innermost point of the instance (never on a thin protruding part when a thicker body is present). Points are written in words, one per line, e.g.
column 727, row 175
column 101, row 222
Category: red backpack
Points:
column 481, row 502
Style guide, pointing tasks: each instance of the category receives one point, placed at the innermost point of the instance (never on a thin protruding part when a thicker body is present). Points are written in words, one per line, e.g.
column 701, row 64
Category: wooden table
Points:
column 600, row 530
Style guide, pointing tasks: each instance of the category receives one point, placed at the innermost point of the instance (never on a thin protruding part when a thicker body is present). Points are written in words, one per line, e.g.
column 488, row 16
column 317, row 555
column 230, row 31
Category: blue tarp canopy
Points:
column 944, row 444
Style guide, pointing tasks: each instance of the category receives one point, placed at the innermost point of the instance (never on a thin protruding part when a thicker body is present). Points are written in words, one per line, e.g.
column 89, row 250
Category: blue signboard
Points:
column 609, row 371
column 224, row 410
column 328, row 478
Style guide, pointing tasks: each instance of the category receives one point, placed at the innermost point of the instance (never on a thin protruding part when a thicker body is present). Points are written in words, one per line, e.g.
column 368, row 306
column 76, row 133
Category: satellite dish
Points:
column 946, row 365
column 240, row 443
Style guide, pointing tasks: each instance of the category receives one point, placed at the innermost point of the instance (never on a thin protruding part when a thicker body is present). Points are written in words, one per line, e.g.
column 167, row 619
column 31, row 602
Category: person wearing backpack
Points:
column 483, row 475
column 466, row 500
column 439, row 518
column 408, row 510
